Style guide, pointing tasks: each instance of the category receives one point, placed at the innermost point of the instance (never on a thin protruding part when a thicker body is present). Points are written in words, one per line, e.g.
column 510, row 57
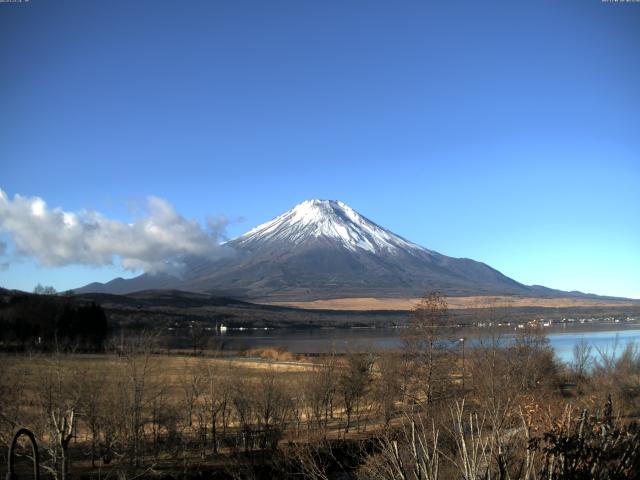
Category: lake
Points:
column 613, row 341
column 321, row 340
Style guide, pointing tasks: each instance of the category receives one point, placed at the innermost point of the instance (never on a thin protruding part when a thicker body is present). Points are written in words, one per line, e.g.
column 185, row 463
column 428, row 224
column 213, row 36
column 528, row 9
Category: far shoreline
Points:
column 453, row 303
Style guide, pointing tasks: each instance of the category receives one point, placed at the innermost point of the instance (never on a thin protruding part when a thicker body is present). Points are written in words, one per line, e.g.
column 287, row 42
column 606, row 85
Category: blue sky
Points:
column 507, row 132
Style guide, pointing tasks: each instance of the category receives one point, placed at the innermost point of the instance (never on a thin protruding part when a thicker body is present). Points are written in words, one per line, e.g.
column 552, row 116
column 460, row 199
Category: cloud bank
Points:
column 158, row 241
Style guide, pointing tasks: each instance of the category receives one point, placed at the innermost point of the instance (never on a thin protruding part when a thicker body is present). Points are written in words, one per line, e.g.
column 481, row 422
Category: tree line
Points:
column 47, row 321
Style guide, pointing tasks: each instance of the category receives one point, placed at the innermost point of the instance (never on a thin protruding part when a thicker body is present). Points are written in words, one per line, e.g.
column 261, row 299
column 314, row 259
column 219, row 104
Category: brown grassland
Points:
column 454, row 303
column 502, row 409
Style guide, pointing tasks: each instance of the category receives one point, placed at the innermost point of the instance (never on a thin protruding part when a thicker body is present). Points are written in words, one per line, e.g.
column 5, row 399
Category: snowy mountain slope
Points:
column 325, row 249
column 328, row 219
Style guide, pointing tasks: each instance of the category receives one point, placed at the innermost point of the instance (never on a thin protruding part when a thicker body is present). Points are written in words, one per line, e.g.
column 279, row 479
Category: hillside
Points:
column 324, row 249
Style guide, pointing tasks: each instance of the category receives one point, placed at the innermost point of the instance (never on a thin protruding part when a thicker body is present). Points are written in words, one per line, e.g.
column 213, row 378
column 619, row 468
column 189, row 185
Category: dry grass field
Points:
column 169, row 371
column 454, row 303
column 135, row 412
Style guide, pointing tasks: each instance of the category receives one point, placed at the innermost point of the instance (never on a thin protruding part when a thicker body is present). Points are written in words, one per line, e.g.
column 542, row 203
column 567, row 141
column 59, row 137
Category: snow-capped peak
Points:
column 329, row 219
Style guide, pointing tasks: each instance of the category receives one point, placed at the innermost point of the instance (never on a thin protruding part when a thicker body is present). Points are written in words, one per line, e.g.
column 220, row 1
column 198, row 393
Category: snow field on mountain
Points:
column 329, row 219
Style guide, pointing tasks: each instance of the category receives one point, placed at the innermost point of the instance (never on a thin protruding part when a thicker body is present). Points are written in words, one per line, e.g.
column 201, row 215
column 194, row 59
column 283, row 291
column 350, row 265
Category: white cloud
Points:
column 157, row 241
column 4, row 265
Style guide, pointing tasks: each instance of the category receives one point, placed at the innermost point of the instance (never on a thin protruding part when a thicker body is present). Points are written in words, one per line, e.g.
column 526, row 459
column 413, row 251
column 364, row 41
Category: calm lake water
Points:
column 609, row 342
column 607, row 339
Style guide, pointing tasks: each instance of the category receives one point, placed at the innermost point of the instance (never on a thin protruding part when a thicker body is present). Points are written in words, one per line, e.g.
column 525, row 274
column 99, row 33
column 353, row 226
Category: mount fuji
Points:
column 324, row 249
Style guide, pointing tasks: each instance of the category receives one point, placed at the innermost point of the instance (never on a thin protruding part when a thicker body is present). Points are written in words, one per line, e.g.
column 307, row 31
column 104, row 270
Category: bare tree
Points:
column 311, row 460
column 409, row 453
column 582, row 359
column 191, row 384
column 353, row 382
column 320, row 388
column 272, row 407
column 59, row 393
column 39, row 289
column 298, row 399
column 136, row 366
column 242, row 391
column 198, row 337
column 387, row 384
column 428, row 346
column 93, row 406
column 216, row 397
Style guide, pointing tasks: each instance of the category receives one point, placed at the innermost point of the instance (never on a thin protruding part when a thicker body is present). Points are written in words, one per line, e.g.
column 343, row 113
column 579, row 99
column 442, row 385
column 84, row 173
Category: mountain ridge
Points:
column 324, row 249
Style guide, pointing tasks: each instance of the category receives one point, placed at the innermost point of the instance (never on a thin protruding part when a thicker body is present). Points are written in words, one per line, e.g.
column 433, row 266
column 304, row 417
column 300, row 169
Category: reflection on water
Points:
column 362, row 339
